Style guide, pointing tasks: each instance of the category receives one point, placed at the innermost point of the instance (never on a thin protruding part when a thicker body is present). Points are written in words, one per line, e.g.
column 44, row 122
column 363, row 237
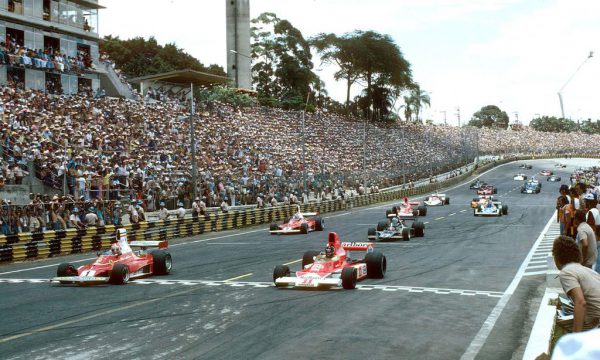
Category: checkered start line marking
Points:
column 259, row 284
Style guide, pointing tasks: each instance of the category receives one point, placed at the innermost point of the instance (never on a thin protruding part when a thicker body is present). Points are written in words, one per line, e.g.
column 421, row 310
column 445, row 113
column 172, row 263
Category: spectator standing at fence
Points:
column 163, row 213
column 580, row 283
column 18, row 172
column 196, row 208
column 74, row 221
column 586, row 239
column 180, row 211
column 91, row 218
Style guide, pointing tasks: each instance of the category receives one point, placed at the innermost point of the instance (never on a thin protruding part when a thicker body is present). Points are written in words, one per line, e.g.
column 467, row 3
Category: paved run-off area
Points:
column 218, row 303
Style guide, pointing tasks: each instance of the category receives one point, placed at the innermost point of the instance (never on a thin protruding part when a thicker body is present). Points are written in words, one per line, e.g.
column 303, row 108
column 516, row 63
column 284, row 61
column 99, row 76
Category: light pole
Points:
column 193, row 143
column 444, row 111
column 560, row 99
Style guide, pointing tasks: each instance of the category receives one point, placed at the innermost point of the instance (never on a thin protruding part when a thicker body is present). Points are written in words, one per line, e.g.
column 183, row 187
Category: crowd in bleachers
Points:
column 109, row 149
column 13, row 52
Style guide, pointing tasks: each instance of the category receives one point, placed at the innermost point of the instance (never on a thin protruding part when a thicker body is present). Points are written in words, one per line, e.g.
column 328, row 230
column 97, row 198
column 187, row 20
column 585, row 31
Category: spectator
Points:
column 75, row 221
column 180, row 211
column 586, row 239
column 163, row 213
column 580, row 283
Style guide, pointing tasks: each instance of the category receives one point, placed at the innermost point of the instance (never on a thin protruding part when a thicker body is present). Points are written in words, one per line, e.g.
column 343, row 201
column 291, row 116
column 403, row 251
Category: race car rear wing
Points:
column 357, row 246
column 309, row 214
column 149, row 244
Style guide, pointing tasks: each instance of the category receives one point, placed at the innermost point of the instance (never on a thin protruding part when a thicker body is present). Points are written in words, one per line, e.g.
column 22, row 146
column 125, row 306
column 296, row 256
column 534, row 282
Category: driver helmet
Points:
column 329, row 251
column 395, row 222
column 115, row 249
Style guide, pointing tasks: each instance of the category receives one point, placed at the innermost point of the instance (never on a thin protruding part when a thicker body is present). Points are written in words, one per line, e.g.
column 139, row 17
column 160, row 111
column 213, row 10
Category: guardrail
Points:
column 24, row 246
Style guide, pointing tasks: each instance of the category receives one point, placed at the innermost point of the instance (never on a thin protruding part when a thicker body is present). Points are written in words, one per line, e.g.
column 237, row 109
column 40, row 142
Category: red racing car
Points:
column 334, row 267
column 487, row 190
column 300, row 223
column 407, row 210
column 119, row 264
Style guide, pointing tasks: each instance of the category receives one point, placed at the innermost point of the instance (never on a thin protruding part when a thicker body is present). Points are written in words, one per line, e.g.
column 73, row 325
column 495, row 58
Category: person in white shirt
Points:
column 163, row 213
column 91, row 219
column 180, row 211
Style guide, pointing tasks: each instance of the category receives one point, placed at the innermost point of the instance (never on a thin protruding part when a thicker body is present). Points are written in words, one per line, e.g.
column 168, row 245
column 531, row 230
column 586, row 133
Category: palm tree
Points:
column 418, row 100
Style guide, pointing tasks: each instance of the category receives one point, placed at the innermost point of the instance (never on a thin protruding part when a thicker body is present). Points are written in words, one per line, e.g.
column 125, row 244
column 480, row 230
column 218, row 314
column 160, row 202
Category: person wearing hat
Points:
column 74, row 221
column 163, row 213
column 180, row 210
column 140, row 209
column 91, row 218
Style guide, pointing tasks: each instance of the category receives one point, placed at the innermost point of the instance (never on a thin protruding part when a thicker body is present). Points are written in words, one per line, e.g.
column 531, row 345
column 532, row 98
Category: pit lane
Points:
column 431, row 304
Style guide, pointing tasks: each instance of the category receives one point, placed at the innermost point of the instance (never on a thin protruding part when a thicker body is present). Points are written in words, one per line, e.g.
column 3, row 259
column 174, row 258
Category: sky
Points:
column 516, row 54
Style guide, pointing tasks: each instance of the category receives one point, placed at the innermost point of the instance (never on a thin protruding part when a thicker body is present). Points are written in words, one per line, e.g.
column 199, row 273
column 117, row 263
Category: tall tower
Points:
column 238, row 43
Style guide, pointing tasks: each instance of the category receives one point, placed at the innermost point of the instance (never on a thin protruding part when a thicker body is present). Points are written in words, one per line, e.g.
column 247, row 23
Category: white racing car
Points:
column 490, row 208
column 437, row 200
column 520, row 177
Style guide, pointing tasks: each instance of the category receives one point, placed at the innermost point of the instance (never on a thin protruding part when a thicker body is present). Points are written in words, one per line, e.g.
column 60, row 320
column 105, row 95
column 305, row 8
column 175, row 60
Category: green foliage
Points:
column 414, row 103
column 282, row 68
column 141, row 57
column 371, row 57
column 490, row 116
column 553, row 124
column 226, row 95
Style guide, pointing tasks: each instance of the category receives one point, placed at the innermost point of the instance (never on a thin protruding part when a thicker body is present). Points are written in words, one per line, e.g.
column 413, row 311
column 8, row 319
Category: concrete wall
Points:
column 238, row 39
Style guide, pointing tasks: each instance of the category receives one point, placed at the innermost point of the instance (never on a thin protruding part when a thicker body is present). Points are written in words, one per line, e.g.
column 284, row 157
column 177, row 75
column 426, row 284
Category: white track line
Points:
column 481, row 337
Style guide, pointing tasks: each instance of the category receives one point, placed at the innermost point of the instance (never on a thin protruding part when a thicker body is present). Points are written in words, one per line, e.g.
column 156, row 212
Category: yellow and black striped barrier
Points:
column 24, row 246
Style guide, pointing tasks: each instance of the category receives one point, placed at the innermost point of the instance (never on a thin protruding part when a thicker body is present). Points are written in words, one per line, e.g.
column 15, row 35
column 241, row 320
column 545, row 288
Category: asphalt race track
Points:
column 219, row 302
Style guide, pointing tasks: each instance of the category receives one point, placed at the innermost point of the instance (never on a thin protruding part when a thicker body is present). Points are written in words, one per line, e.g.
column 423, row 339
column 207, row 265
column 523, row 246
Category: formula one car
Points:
column 406, row 210
column 334, row 267
column 396, row 230
column 560, row 165
column 520, row 177
column 437, row 200
column 481, row 200
column 477, row 184
column 531, row 187
column 525, row 166
column 546, row 173
column 490, row 208
column 553, row 178
column 300, row 223
column 487, row 190
column 119, row 264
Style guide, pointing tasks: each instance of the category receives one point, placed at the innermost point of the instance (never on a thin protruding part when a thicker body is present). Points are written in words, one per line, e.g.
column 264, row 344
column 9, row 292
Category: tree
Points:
column 282, row 70
column 415, row 101
column 490, row 116
column 141, row 57
column 341, row 51
column 553, row 124
column 369, row 57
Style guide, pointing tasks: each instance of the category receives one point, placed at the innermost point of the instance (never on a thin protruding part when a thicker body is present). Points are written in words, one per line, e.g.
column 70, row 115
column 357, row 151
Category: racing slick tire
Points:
column 504, row 210
column 280, row 271
column 349, row 278
column 273, row 227
column 304, row 228
column 66, row 269
column 376, row 265
column 495, row 191
column 319, row 224
column 394, row 209
column 119, row 275
column 309, row 258
column 381, row 225
column 415, row 213
column 447, row 201
column 388, row 212
column 422, row 210
column 372, row 232
column 162, row 262
column 419, row 228
column 406, row 234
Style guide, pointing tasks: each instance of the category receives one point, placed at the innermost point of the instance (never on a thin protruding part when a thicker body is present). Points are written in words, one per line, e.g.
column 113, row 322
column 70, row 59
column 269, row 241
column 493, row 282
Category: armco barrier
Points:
column 25, row 246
